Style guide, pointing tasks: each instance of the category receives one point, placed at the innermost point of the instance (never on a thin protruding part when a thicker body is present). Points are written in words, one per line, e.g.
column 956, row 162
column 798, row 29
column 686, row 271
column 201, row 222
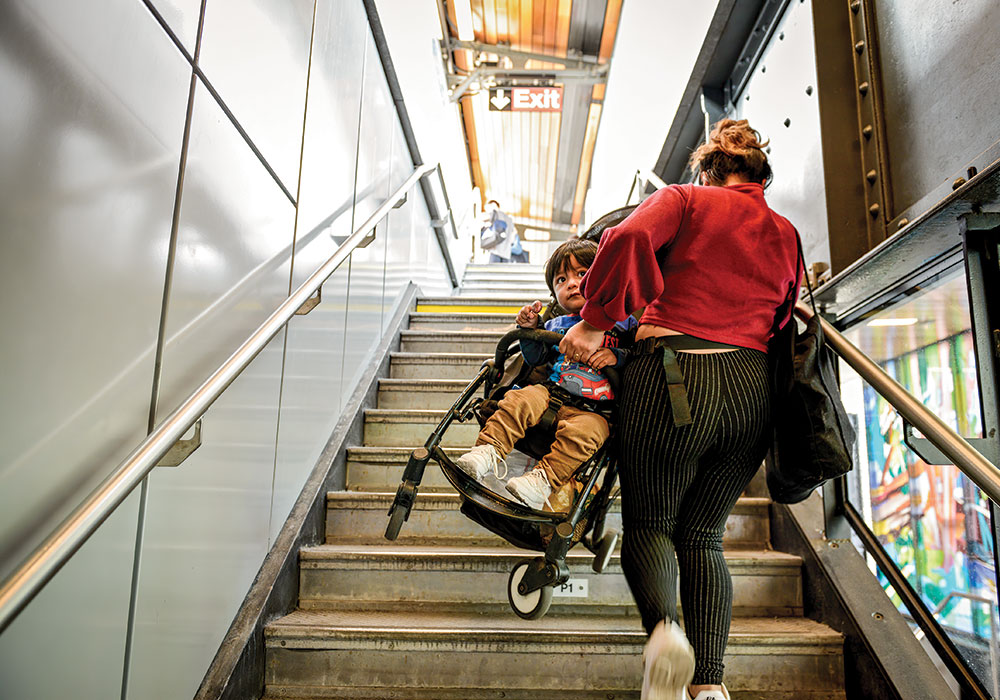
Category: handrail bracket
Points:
column 182, row 449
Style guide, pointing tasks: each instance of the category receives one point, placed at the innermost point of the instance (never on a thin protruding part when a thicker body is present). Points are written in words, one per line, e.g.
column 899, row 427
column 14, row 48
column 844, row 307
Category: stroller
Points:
column 531, row 582
column 530, row 586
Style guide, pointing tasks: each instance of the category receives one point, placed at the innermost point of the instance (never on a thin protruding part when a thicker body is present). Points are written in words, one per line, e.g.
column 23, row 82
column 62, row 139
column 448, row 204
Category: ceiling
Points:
column 536, row 164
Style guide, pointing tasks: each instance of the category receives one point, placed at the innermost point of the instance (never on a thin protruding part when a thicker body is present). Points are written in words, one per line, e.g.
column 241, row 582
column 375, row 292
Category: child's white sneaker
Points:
column 480, row 461
column 669, row 663
column 710, row 694
column 532, row 488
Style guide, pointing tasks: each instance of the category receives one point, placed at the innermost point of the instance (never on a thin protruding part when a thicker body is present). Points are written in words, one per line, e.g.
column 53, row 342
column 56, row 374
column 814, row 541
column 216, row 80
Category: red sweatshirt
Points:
column 712, row 262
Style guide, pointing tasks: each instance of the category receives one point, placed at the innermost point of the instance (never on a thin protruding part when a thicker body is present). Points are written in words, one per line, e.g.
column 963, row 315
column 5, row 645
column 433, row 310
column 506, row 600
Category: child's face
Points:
column 567, row 283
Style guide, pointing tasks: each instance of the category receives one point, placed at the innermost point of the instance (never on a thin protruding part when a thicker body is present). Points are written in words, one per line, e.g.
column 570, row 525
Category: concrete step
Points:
column 462, row 322
column 534, row 286
column 419, row 393
column 501, row 269
column 436, row 365
column 411, row 428
column 361, row 518
column 446, row 654
column 452, row 341
column 483, row 303
column 380, row 469
column 381, row 577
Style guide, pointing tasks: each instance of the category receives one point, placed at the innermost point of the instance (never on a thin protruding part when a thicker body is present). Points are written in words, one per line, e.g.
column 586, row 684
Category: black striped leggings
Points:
column 679, row 485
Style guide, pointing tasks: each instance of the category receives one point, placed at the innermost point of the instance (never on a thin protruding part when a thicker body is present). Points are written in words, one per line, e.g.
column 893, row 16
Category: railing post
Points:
column 980, row 233
column 835, row 525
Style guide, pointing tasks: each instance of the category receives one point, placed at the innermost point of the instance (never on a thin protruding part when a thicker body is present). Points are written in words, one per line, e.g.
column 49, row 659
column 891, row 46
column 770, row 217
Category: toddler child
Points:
column 579, row 432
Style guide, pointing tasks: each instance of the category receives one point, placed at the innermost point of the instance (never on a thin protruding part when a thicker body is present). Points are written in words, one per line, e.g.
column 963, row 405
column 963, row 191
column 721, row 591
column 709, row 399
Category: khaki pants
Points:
column 578, row 433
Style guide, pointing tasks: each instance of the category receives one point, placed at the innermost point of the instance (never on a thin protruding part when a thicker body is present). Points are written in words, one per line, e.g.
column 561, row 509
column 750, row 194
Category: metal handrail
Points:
column 983, row 472
column 646, row 177
column 45, row 561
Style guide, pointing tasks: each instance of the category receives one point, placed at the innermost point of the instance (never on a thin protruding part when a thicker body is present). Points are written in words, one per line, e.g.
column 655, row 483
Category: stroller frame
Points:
column 532, row 580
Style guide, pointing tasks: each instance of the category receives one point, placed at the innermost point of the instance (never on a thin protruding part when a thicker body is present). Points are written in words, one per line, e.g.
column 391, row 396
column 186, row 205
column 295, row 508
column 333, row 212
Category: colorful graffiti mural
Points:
column 931, row 519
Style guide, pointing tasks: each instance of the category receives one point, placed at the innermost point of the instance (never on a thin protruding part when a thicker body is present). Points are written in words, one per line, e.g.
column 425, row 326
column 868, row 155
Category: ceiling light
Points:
column 892, row 322
column 463, row 17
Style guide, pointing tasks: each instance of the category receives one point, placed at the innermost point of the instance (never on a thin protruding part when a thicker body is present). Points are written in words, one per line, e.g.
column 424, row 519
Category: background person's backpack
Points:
column 493, row 235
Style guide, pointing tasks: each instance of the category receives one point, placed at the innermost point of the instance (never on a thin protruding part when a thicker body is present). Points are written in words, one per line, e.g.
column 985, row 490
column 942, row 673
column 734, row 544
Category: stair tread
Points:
column 319, row 625
column 499, row 299
column 334, row 552
column 440, row 356
column 403, row 382
column 456, row 335
column 378, row 498
column 387, row 452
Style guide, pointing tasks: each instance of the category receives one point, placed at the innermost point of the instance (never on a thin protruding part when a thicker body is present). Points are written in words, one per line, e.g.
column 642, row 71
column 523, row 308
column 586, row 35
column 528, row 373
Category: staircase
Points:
column 426, row 617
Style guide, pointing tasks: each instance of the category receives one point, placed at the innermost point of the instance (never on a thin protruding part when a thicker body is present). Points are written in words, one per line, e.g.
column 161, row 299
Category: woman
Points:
column 710, row 266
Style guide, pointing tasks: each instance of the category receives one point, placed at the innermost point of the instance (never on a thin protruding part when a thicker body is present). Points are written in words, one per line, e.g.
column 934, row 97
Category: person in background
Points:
column 710, row 266
column 498, row 234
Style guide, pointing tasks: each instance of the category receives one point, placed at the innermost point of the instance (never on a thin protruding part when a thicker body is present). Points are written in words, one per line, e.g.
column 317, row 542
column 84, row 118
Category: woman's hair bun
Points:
column 734, row 147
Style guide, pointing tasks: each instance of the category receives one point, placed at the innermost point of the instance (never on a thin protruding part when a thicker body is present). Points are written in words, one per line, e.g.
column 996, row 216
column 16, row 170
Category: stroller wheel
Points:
column 396, row 520
column 604, row 550
column 533, row 605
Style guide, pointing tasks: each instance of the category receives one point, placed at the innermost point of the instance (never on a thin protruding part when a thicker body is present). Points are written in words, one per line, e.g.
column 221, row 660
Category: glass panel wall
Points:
column 931, row 519
column 272, row 185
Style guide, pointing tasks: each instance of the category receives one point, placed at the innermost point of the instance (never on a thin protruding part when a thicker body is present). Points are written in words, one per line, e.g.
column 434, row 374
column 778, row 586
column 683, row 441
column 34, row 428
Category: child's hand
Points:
column 602, row 358
column 527, row 317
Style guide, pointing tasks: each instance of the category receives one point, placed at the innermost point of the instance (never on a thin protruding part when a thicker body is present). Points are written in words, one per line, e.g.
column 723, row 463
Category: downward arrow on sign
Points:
column 500, row 100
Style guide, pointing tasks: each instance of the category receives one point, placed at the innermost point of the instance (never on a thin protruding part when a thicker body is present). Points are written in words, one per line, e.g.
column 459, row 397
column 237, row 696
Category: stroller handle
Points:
column 546, row 338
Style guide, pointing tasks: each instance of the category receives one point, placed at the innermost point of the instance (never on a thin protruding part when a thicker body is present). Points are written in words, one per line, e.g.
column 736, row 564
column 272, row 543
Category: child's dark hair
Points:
column 583, row 251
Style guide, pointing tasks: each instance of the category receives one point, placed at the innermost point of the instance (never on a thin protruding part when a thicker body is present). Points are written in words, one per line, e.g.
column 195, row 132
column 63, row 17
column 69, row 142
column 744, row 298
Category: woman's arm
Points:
column 626, row 273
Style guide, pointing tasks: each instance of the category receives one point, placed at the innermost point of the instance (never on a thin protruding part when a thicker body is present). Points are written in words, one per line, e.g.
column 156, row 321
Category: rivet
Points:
column 781, row 37
column 872, row 176
column 863, row 88
column 788, row 122
column 877, row 615
column 874, row 209
column 958, row 183
column 903, row 222
column 809, row 89
column 748, row 97
column 859, row 47
column 868, row 131
column 763, row 69
column 855, row 6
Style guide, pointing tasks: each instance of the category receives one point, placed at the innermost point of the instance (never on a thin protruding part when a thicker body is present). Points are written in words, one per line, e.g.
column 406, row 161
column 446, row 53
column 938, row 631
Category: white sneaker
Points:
column 669, row 663
column 532, row 488
column 480, row 461
column 710, row 694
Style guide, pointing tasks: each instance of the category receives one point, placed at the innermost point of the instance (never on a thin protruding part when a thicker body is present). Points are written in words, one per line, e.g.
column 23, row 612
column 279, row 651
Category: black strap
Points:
column 549, row 417
column 647, row 346
column 679, row 405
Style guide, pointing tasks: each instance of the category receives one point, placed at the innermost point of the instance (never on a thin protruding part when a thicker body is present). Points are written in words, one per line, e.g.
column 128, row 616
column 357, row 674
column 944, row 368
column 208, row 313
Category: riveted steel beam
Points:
column 871, row 122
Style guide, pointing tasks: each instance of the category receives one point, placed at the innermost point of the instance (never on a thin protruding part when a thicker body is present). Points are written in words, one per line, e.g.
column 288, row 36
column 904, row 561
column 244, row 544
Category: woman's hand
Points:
column 604, row 357
column 581, row 341
column 527, row 317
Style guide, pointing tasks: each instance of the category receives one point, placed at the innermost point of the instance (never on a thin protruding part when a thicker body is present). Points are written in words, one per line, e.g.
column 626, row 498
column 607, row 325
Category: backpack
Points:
column 813, row 440
column 493, row 235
